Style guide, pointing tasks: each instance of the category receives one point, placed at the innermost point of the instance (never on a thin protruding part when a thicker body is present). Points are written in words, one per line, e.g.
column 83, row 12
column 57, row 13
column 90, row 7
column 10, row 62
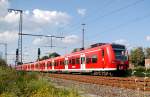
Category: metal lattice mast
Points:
column 19, row 34
column 20, row 38
column 83, row 30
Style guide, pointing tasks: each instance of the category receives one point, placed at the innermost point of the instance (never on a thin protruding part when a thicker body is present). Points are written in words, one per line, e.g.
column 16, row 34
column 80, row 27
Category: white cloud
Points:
column 11, row 17
column 72, row 39
column 148, row 38
column 121, row 41
column 34, row 21
column 124, row 42
column 27, row 12
column 8, row 36
column 39, row 41
column 52, row 17
column 81, row 12
column 4, row 4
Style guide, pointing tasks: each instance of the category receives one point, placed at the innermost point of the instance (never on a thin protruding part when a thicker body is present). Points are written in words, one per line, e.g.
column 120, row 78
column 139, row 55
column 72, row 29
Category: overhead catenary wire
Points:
column 76, row 25
column 117, row 10
column 137, row 19
column 111, row 13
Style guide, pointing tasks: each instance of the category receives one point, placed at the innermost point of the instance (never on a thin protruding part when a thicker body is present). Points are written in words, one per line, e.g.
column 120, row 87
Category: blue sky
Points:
column 120, row 21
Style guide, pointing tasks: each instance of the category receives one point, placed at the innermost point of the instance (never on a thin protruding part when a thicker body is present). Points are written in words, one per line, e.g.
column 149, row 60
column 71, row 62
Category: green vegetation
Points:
column 139, row 71
column 54, row 54
column 28, row 84
column 2, row 62
column 137, row 56
column 147, row 53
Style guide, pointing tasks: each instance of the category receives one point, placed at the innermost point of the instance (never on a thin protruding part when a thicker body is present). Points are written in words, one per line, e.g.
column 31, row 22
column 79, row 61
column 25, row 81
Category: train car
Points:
column 101, row 57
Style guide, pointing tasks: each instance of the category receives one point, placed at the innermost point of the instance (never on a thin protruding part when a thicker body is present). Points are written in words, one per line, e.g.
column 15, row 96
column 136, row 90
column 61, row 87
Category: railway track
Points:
column 129, row 83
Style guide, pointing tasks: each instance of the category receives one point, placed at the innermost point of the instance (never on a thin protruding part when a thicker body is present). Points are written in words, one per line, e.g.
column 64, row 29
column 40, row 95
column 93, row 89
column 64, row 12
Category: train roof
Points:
column 97, row 45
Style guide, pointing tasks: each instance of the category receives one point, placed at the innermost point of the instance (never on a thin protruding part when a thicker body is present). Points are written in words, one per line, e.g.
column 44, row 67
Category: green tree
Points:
column 137, row 56
column 2, row 62
column 54, row 54
column 51, row 55
column 147, row 53
column 44, row 57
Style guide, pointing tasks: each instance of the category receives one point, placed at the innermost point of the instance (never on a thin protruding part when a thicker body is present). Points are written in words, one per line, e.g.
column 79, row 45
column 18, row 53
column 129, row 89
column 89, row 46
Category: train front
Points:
column 120, row 57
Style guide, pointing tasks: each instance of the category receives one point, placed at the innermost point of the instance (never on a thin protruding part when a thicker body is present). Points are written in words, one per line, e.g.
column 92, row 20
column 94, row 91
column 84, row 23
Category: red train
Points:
column 99, row 57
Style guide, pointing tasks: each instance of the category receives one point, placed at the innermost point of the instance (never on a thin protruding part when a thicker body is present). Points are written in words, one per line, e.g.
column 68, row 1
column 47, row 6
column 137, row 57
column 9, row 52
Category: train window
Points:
column 88, row 60
column 28, row 66
column 103, row 53
column 49, row 64
column 94, row 59
column 69, row 61
column 55, row 63
column 36, row 66
column 73, row 61
column 58, row 63
column 43, row 64
column 66, row 62
column 61, row 62
column 82, row 60
column 77, row 60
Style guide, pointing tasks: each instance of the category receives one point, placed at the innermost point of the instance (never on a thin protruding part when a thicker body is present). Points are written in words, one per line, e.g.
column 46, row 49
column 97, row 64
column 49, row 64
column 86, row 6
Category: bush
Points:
column 8, row 94
column 139, row 72
column 7, row 77
column 43, row 88
column 2, row 62
column 28, row 84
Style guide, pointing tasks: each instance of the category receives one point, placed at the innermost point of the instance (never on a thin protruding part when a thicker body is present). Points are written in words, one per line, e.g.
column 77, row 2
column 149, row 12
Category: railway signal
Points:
column 39, row 53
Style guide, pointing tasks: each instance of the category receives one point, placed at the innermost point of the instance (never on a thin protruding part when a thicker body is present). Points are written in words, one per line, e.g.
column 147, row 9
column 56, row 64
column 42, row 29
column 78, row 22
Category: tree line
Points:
column 138, row 55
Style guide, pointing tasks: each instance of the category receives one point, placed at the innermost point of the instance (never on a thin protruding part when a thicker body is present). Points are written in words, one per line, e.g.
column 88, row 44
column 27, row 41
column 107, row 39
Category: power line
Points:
column 75, row 26
column 124, row 24
column 115, row 11
column 118, row 10
column 62, row 47
column 40, row 35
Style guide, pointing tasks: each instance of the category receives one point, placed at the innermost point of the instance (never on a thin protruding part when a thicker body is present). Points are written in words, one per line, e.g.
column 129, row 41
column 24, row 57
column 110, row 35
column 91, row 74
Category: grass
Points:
column 139, row 72
column 28, row 84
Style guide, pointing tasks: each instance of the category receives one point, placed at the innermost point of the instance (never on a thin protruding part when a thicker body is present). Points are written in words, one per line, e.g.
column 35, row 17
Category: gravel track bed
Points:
column 94, row 90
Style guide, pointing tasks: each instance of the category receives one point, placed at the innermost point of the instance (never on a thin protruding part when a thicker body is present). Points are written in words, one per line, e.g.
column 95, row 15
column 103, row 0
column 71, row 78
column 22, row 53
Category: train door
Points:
column 82, row 61
column 53, row 64
column 66, row 63
column 103, row 59
column 46, row 65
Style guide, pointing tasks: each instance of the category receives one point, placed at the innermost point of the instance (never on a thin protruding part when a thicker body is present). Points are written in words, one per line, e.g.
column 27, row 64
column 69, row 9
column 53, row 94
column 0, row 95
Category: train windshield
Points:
column 119, row 51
